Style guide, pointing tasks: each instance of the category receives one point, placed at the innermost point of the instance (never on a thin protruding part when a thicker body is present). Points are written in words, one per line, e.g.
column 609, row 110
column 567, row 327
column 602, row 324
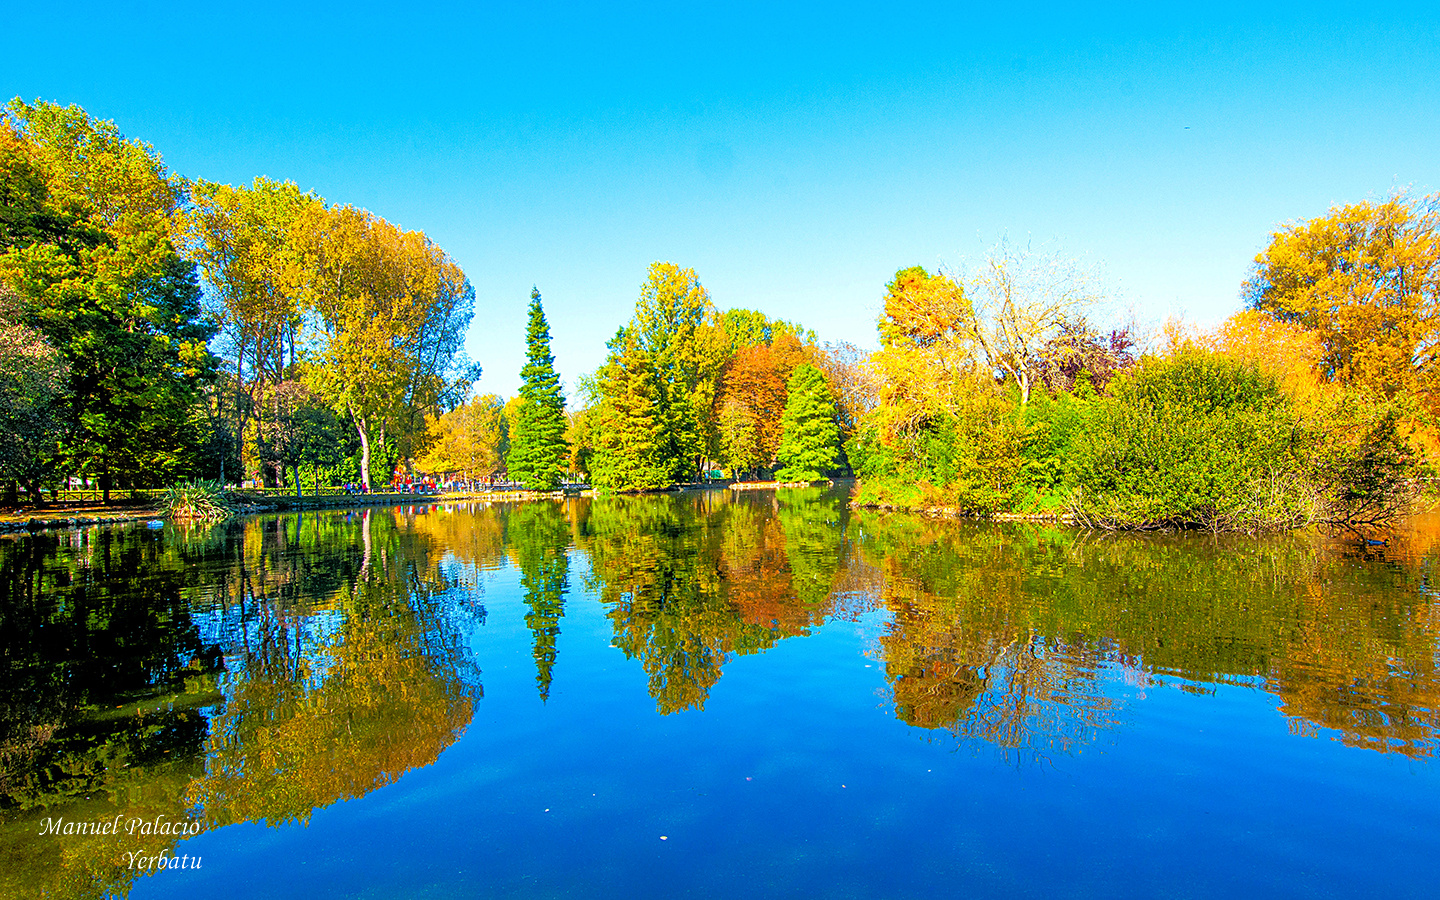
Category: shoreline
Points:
column 250, row 504
column 950, row 512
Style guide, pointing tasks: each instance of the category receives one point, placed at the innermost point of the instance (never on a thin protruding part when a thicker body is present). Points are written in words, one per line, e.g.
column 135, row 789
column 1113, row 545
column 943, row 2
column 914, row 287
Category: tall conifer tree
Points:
column 537, row 445
column 810, row 444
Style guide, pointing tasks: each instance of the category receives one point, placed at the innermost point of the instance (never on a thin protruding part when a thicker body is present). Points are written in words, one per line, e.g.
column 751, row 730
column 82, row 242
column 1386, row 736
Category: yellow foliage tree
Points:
column 471, row 439
column 1366, row 279
column 391, row 309
column 926, row 350
column 1292, row 353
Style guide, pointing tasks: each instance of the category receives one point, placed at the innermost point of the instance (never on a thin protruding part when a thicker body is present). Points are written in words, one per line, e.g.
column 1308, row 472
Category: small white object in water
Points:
column 155, row 523
column 664, row 837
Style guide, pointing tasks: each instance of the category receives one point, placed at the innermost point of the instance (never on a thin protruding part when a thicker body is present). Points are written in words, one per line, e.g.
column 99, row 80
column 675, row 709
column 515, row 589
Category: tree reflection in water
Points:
column 276, row 666
column 691, row 581
column 264, row 669
column 1006, row 633
column 373, row 684
column 539, row 539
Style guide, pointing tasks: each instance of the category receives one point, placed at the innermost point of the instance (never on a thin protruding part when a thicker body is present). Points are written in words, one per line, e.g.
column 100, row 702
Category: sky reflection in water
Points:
column 522, row 700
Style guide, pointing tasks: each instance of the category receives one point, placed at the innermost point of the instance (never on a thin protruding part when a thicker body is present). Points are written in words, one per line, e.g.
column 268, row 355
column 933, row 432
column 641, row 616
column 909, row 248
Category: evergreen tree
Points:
column 630, row 451
column 538, row 450
column 810, row 441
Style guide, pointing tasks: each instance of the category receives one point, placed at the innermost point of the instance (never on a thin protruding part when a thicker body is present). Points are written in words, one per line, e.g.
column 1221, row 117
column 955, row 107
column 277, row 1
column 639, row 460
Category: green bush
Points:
column 1196, row 440
column 970, row 461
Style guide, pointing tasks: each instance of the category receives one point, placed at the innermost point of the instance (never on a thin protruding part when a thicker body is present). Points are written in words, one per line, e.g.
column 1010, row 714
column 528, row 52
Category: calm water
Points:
column 716, row 696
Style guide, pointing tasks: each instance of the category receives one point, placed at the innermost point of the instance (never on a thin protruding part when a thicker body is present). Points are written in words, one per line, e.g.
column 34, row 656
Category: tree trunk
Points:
column 364, row 433
column 385, row 455
column 105, row 485
column 296, row 466
column 12, row 493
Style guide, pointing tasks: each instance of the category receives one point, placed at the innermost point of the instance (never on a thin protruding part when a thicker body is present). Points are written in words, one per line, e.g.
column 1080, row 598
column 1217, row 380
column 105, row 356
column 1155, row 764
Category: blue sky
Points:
column 794, row 155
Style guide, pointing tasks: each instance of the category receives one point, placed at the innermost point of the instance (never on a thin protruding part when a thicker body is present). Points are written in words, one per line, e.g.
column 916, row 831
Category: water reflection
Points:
column 265, row 669
column 990, row 620
column 690, row 581
column 539, row 539
column 252, row 672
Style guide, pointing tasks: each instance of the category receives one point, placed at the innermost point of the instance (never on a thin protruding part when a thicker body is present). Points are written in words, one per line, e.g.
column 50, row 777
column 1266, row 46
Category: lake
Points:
column 710, row 694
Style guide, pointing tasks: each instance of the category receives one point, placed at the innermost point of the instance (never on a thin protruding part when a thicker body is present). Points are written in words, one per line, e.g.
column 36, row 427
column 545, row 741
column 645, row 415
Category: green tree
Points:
column 675, row 326
column 91, row 255
column 630, row 449
column 32, row 379
column 810, row 441
column 538, row 451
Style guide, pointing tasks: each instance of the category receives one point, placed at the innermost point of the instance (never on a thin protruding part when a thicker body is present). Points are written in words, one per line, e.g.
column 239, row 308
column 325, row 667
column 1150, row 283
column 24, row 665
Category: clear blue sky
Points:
column 795, row 156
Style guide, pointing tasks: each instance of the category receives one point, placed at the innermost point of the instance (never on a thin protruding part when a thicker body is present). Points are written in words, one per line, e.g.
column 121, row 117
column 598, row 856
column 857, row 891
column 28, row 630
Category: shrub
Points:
column 197, row 501
column 1196, row 440
column 970, row 461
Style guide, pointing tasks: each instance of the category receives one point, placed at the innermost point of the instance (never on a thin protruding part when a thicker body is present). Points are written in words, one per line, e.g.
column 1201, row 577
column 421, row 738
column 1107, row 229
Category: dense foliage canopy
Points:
column 164, row 329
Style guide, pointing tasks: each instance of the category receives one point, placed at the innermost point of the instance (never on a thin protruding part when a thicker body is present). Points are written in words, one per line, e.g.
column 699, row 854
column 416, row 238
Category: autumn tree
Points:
column 1080, row 354
column 537, row 456
column 580, row 432
column 942, row 431
column 926, row 350
column 750, row 403
column 810, row 444
column 1288, row 350
column 389, row 310
column 472, row 439
column 1366, row 278
column 752, row 328
column 247, row 244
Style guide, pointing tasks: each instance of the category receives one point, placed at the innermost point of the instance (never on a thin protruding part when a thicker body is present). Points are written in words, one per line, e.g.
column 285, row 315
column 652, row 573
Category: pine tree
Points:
column 537, row 446
column 810, row 439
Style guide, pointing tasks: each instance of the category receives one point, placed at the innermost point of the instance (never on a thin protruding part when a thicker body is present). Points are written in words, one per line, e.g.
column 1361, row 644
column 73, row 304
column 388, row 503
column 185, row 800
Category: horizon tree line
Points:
column 154, row 328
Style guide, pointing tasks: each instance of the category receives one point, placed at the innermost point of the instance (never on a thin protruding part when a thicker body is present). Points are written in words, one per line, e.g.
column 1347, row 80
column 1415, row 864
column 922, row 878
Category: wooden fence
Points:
column 95, row 495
